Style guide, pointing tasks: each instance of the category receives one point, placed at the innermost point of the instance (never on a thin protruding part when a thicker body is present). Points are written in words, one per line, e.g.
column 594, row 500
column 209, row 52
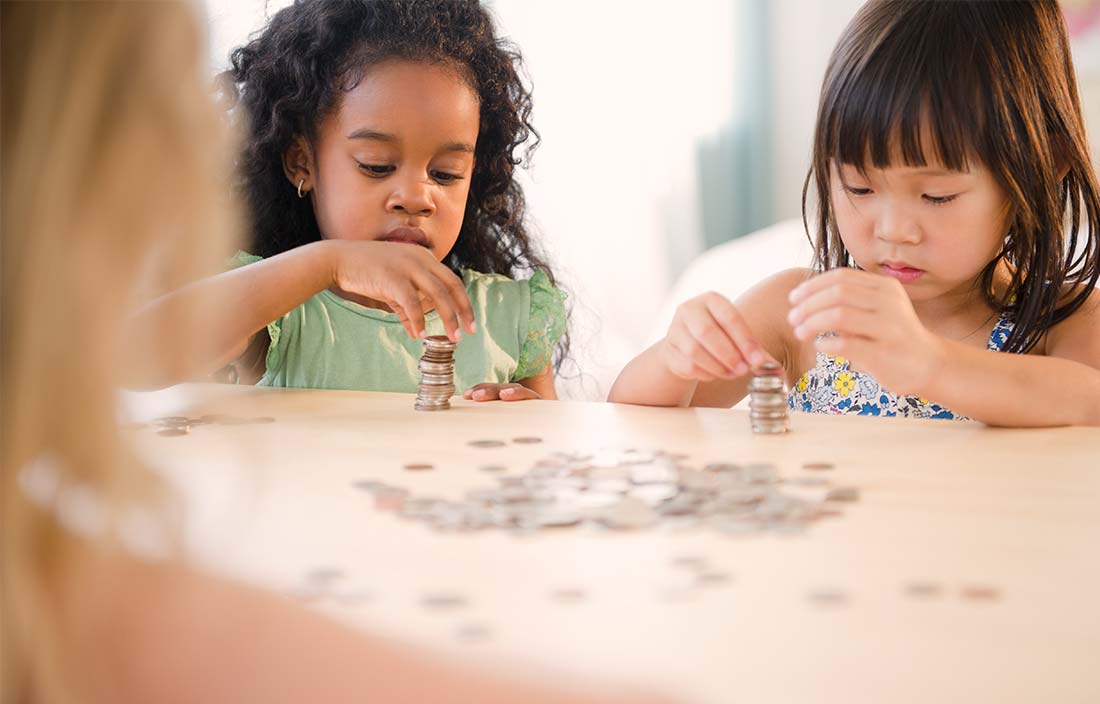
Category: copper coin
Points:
column 527, row 441
column 981, row 593
column 818, row 466
column 419, row 467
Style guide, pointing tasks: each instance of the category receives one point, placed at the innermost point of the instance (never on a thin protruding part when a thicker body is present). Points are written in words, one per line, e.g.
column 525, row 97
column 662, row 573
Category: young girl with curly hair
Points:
column 379, row 171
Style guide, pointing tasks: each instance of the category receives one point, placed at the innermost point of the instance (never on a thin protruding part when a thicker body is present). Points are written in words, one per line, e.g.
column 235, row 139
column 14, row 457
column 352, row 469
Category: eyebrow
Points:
column 366, row 133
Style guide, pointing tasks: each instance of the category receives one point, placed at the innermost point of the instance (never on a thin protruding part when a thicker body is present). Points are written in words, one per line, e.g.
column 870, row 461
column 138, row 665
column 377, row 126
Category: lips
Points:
column 902, row 271
column 407, row 235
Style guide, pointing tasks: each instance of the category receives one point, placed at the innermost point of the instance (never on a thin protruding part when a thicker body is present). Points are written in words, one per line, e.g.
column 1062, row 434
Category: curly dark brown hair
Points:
column 290, row 76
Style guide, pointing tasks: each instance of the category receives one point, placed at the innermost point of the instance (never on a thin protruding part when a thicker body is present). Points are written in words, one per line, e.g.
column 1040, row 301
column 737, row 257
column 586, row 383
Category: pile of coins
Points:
column 768, row 400
column 437, row 374
column 624, row 490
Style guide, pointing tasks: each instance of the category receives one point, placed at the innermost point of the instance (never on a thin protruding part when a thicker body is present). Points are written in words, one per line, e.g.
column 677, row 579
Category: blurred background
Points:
column 675, row 140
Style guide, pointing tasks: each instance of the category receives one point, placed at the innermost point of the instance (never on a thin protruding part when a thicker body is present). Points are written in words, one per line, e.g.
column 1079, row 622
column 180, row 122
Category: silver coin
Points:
column 843, row 493
column 486, row 443
column 828, row 597
column 443, row 600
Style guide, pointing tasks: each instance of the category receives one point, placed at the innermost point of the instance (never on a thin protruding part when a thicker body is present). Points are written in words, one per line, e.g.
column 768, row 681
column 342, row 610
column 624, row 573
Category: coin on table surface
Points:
column 843, row 493
column 419, row 466
column 473, row 632
column 528, row 440
column 980, row 592
column 828, row 597
column 818, row 466
column 443, row 600
column 486, row 443
column 174, row 432
column 923, row 590
column 570, row 595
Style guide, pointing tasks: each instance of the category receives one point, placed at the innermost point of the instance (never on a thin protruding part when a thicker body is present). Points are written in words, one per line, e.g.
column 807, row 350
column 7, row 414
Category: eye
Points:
column 939, row 200
column 444, row 178
column 857, row 191
column 375, row 170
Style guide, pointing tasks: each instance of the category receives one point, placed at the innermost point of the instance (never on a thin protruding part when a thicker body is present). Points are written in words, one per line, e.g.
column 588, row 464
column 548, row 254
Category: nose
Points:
column 411, row 196
column 896, row 226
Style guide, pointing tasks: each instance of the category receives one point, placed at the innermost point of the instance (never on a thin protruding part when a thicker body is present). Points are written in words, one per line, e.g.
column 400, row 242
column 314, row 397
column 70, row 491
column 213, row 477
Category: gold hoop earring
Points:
column 300, row 184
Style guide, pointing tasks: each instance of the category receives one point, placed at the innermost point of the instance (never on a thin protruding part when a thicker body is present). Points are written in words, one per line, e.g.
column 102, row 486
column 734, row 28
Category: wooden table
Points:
column 1005, row 523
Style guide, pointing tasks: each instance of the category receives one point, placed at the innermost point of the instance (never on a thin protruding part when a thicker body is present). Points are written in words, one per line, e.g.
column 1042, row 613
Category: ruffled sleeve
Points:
column 274, row 328
column 545, row 327
column 242, row 258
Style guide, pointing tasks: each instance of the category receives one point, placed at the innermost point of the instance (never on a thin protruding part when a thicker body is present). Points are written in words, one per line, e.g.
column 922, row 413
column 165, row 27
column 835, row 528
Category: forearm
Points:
column 179, row 636
column 234, row 305
column 647, row 381
column 1016, row 390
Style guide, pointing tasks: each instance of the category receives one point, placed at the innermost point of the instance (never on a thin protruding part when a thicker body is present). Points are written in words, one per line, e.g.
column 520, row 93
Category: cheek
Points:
column 855, row 226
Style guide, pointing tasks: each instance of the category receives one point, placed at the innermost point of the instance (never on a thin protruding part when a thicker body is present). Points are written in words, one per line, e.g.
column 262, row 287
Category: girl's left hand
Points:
column 500, row 392
column 873, row 325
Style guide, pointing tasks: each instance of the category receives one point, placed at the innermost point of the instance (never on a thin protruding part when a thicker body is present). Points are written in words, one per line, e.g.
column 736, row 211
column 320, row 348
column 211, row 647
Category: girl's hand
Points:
column 708, row 340
column 500, row 392
column 873, row 325
column 408, row 279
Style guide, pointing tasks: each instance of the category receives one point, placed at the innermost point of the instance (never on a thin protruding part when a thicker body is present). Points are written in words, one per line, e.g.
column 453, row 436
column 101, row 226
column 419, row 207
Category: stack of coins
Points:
column 437, row 374
column 768, row 400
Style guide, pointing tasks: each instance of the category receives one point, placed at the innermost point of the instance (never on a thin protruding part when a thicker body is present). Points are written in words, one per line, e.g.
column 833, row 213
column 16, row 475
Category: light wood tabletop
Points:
column 967, row 570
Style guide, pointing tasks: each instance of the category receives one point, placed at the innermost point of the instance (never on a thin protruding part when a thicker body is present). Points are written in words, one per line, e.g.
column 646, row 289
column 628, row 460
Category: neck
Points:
column 958, row 314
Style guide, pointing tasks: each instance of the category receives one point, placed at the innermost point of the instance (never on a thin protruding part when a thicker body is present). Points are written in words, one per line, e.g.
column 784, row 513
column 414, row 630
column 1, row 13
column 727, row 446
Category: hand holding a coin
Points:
column 709, row 340
column 869, row 319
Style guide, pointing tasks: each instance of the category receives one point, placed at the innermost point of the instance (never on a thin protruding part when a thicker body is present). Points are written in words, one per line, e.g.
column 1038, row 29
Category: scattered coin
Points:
column 808, row 481
column 978, row 592
column 923, row 590
column 263, row 419
column 527, row 441
column 473, row 632
column 692, row 562
column 324, row 575
column 828, row 597
column 486, row 443
column 713, row 579
column 493, row 468
column 843, row 493
column 174, row 432
column 419, row 467
column 569, row 595
column 443, row 601
column 818, row 466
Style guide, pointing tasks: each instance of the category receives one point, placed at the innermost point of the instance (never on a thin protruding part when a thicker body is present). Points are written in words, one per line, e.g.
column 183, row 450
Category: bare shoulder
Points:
column 775, row 288
column 765, row 307
column 1078, row 336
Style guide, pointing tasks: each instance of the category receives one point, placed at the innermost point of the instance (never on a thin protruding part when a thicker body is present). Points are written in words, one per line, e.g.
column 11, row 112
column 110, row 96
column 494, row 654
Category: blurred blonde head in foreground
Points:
column 115, row 170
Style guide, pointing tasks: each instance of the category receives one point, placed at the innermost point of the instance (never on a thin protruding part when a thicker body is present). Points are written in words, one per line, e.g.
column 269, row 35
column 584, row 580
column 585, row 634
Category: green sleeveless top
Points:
column 332, row 343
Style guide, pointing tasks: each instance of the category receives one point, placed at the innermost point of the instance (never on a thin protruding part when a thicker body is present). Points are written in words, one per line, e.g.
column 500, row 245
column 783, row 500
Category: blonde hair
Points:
column 115, row 180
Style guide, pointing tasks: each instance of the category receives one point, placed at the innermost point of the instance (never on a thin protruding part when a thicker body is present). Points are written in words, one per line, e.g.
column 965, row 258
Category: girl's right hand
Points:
column 408, row 279
column 708, row 340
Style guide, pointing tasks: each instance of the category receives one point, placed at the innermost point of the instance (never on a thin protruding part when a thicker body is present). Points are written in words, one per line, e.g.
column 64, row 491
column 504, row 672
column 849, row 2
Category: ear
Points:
column 299, row 164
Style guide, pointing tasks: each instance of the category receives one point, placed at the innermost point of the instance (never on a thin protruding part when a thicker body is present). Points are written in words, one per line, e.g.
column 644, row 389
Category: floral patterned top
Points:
column 833, row 387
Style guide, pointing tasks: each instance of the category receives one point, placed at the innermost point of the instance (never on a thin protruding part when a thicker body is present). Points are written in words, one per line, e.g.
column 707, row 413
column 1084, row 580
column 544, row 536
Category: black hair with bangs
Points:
column 987, row 80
